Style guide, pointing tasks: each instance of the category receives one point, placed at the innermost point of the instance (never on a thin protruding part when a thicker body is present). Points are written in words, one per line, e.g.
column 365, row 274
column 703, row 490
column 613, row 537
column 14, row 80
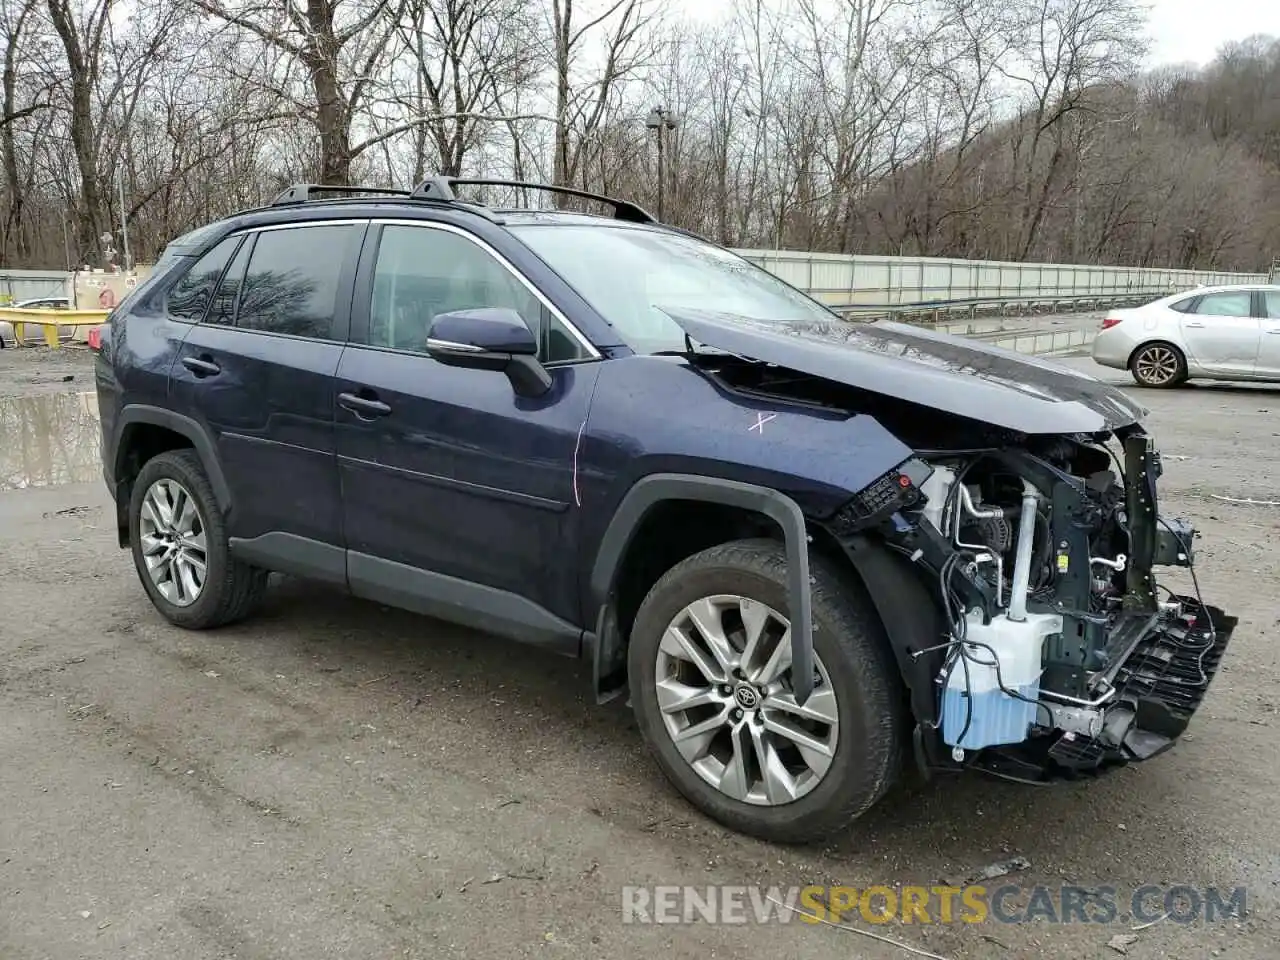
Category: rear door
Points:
column 1269, row 348
column 1222, row 334
column 257, row 371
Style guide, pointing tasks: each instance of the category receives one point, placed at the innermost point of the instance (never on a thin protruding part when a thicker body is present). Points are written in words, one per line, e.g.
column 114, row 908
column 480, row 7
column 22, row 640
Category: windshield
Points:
column 637, row 278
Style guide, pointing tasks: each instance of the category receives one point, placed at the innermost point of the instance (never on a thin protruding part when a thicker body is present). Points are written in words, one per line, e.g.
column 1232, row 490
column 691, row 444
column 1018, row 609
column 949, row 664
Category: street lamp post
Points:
column 661, row 120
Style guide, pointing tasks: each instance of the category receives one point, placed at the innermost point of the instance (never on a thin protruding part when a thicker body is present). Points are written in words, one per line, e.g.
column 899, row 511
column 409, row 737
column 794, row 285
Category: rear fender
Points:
column 135, row 414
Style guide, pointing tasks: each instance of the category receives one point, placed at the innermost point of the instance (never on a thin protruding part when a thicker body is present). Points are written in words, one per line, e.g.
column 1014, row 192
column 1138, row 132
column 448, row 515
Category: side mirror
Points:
column 490, row 338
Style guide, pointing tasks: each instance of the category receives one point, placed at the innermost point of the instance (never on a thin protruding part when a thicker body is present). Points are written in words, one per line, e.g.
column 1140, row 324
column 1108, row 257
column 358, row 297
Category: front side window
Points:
column 291, row 283
column 637, row 278
column 190, row 296
column 1237, row 303
column 422, row 272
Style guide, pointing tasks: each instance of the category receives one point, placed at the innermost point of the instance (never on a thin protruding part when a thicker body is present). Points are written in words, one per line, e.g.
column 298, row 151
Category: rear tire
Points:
column 180, row 548
column 859, row 687
column 1158, row 365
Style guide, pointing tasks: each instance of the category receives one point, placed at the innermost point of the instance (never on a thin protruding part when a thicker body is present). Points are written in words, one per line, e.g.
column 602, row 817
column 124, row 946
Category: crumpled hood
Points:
column 960, row 376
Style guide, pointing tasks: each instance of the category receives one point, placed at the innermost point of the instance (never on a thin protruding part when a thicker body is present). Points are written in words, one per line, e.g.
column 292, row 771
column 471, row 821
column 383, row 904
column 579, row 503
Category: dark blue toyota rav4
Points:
column 810, row 550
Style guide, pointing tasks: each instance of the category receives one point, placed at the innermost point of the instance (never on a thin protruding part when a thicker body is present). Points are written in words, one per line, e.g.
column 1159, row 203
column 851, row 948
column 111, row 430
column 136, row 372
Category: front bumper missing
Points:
column 1158, row 688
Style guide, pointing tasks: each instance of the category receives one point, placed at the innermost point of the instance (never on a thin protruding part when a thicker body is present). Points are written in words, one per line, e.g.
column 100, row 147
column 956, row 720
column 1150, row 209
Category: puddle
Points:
column 49, row 440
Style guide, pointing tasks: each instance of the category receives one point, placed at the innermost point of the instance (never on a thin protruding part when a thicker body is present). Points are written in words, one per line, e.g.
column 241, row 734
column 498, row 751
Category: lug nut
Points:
column 737, row 714
column 725, row 689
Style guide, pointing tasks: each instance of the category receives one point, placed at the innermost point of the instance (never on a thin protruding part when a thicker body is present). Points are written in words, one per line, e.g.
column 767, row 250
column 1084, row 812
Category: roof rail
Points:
column 440, row 188
column 303, row 192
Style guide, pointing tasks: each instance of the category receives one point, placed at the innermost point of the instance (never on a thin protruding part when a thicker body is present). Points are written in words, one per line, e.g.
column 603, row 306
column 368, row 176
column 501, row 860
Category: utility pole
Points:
column 124, row 227
column 661, row 120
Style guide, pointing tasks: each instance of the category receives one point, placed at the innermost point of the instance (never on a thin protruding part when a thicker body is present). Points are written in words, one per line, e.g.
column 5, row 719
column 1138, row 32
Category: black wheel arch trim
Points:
column 913, row 625
column 654, row 489
column 159, row 416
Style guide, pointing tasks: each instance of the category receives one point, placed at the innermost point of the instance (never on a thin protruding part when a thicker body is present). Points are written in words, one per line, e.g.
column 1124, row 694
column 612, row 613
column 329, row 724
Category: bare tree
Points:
column 584, row 95
column 470, row 57
column 17, row 105
column 339, row 43
column 1069, row 47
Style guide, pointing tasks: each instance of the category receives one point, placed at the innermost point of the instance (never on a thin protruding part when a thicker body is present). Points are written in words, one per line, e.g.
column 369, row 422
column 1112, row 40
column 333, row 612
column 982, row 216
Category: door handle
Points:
column 201, row 366
column 365, row 407
column 1274, row 330
column 1195, row 323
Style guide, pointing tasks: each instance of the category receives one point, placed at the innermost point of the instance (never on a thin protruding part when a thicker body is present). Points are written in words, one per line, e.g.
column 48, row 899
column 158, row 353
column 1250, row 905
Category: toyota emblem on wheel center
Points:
column 746, row 697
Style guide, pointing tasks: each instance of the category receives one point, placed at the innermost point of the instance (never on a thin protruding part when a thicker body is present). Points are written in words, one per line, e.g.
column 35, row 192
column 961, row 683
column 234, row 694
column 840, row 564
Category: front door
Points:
column 455, row 490
column 1222, row 333
column 257, row 371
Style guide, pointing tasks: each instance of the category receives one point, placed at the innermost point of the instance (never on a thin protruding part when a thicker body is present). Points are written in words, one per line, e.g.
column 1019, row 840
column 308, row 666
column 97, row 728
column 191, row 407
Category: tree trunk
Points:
column 560, row 174
column 83, row 140
column 13, row 245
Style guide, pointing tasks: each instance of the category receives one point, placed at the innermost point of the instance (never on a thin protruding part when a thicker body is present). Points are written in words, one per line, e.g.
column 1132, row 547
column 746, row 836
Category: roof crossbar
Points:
column 440, row 188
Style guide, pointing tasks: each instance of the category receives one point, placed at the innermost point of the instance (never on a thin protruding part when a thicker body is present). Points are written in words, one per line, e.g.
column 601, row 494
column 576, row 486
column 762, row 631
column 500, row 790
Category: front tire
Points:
column 180, row 547
column 709, row 672
column 1159, row 365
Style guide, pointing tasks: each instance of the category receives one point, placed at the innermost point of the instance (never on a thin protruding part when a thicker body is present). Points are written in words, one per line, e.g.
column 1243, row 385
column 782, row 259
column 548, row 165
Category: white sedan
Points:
column 1222, row 333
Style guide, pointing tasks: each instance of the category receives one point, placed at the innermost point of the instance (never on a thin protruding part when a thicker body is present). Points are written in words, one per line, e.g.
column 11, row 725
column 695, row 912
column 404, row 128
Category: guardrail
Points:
column 51, row 323
column 882, row 281
column 973, row 306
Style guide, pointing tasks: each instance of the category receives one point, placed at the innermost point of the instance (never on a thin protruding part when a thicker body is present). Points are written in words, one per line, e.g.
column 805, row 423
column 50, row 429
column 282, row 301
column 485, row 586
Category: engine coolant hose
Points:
column 1022, row 559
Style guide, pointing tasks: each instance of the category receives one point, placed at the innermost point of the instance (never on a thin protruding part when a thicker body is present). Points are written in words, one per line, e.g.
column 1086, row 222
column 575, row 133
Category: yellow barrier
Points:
column 50, row 321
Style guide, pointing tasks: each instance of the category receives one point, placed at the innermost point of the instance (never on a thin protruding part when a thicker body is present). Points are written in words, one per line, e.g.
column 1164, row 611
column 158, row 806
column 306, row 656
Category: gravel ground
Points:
column 337, row 779
column 37, row 370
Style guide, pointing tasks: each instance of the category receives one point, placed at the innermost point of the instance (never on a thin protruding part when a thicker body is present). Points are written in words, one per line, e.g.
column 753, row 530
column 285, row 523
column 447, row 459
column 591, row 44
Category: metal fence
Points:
column 19, row 285
column 890, row 284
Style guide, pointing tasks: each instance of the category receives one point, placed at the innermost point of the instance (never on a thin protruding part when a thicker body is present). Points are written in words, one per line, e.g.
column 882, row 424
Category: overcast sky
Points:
column 1181, row 31
column 1192, row 30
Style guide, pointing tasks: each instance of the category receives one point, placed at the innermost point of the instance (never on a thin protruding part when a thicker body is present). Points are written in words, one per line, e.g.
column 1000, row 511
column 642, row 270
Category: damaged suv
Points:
column 811, row 551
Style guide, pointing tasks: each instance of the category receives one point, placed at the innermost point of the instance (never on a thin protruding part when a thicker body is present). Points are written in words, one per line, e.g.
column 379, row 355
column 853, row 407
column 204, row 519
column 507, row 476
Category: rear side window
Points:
column 223, row 309
column 291, row 284
column 1271, row 300
column 190, row 296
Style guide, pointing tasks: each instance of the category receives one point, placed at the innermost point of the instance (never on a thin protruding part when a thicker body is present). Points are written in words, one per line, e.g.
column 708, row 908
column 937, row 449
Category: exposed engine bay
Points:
column 1030, row 517
column 1062, row 656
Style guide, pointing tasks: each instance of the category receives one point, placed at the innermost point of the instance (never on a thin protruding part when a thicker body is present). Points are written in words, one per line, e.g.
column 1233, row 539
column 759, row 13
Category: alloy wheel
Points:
column 1157, row 365
column 724, row 689
column 172, row 535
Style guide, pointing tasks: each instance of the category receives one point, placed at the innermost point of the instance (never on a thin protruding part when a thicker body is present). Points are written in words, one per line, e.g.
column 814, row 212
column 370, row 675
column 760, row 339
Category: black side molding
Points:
column 460, row 601
column 778, row 507
column 290, row 553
